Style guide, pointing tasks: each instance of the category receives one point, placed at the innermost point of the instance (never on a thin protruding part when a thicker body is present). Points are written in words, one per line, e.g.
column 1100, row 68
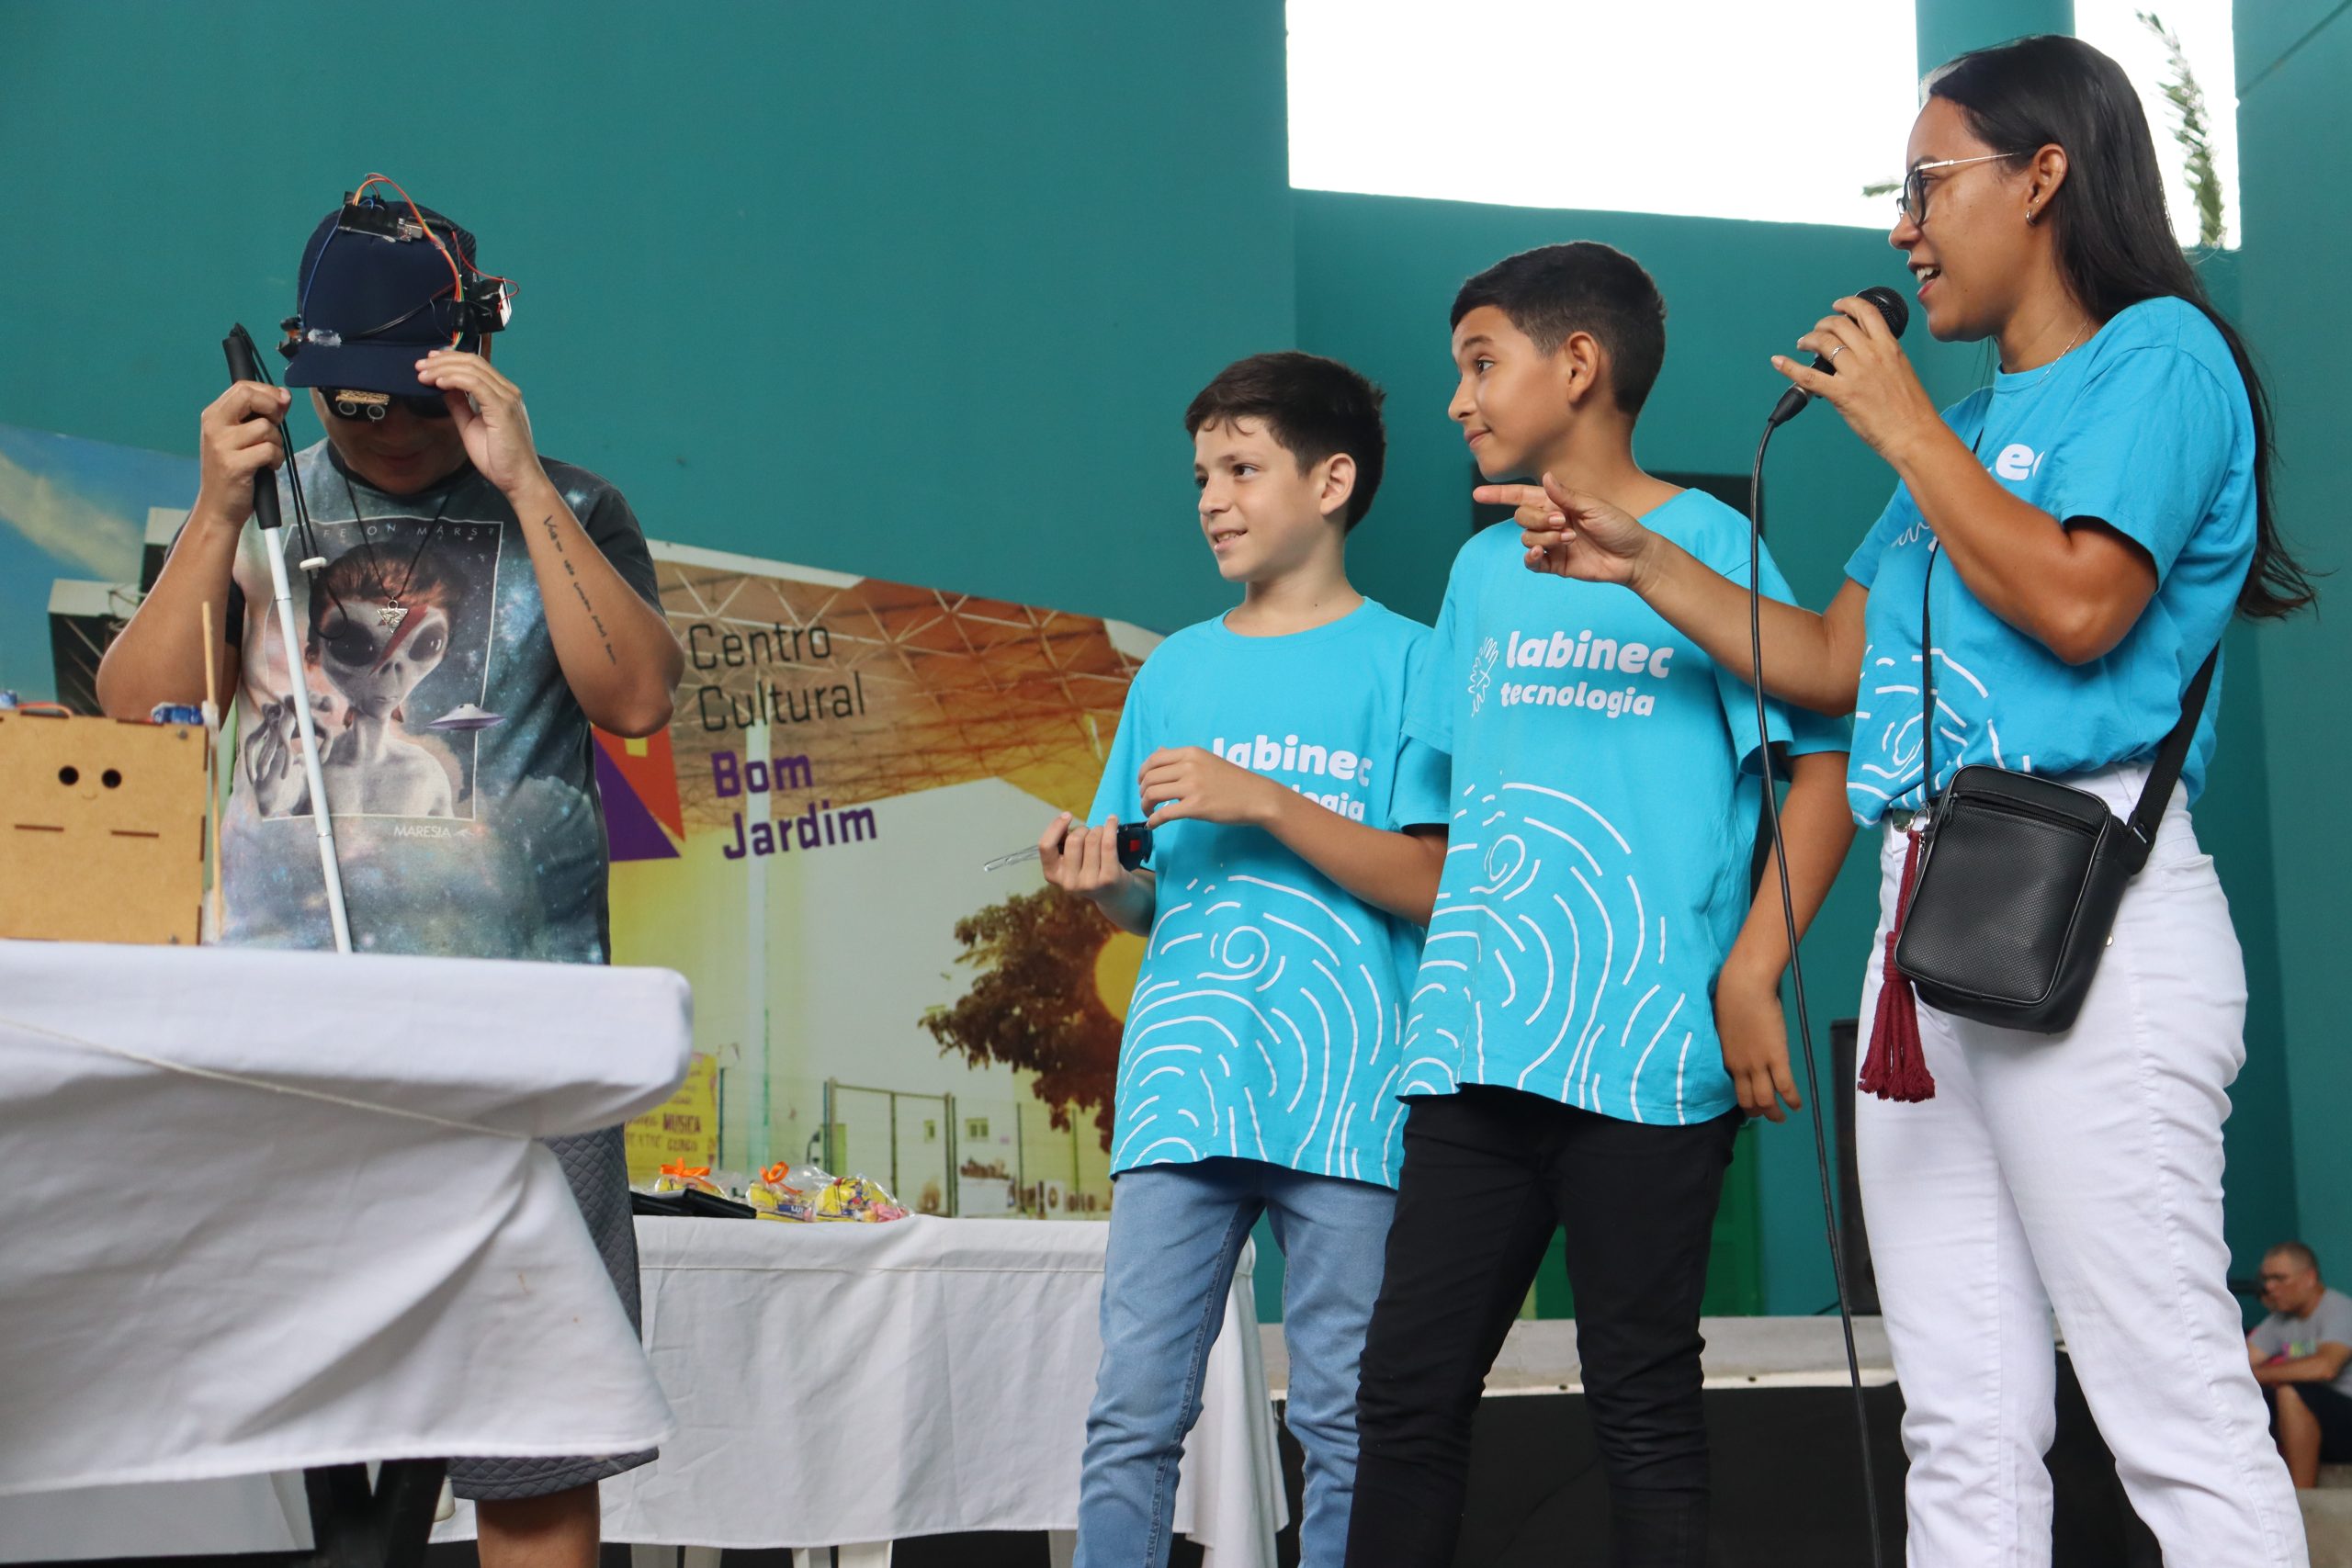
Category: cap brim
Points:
column 365, row 366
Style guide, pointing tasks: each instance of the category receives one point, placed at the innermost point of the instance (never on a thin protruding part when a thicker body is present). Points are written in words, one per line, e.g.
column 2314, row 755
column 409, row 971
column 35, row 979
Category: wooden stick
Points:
column 211, row 682
column 211, row 775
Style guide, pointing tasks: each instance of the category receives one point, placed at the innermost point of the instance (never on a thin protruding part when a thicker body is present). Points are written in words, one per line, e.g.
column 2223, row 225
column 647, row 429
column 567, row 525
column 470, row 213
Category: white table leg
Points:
column 1061, row 1547
column 864, row 1555
column 698, row 1557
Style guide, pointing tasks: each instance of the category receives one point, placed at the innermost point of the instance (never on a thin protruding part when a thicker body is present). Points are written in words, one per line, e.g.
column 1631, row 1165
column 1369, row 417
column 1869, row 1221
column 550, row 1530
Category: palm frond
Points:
column 2193, row 129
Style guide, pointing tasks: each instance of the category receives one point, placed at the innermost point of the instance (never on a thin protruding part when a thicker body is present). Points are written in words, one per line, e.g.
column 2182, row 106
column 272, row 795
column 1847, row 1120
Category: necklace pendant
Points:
column 393, row 615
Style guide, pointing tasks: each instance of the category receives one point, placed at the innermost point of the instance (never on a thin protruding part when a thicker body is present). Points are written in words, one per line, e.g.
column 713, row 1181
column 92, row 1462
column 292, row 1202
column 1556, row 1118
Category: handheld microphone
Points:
column 245, row 365
column 1898, row 316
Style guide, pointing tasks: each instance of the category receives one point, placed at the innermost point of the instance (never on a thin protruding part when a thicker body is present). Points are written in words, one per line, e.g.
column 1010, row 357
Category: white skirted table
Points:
column 271, row 1210
column 845, row 1383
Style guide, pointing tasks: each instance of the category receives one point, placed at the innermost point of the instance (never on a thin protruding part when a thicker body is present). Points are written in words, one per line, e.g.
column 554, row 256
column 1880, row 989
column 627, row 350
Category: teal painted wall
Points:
column 928, row 305
column 2295, row 138
column 2234, row 823
column 919, row 293
column 1947, row 28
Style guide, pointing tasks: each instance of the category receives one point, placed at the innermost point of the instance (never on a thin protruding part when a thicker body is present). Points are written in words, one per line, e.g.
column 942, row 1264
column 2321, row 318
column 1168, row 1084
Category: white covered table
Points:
column 269, row 1210
column 851, row 1384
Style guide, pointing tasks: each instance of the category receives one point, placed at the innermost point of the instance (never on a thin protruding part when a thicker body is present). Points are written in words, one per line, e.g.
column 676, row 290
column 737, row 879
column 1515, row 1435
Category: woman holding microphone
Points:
column 2075, row 537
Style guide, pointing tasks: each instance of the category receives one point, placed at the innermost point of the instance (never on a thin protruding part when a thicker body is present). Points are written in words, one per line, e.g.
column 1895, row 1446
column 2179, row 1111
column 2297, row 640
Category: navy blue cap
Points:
column 375, row 294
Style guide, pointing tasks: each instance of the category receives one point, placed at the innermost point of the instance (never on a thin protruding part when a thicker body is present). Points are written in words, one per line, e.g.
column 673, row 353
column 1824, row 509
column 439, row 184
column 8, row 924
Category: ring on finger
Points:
column 1836, row 352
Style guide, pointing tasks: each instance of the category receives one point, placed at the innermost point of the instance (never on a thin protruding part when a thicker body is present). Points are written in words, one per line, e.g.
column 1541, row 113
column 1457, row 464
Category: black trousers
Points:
column 2330, row 1408
column 1489, row 1174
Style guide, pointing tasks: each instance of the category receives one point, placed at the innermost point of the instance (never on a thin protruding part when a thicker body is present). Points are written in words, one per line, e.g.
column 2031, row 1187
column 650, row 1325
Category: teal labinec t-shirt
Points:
column 1267, row 1022
column 1604, row 799
column 2146, row 427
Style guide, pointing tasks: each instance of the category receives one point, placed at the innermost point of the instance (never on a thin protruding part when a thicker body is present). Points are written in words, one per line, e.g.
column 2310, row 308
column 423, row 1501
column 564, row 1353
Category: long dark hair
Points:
column 2115, row 239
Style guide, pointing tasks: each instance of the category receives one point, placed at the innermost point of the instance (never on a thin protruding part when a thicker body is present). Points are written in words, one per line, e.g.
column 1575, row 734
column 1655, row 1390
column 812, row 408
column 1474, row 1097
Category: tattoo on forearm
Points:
column 555, row 537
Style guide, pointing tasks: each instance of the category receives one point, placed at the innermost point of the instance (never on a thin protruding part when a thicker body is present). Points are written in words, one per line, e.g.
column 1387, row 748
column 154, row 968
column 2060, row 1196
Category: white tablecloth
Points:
column 271, row 1210
column 840, row 1384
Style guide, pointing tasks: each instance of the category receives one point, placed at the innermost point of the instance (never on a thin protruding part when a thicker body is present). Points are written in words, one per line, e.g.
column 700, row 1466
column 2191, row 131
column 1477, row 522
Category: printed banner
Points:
column 684, row 1132
column 806, row 842
column 75, row 517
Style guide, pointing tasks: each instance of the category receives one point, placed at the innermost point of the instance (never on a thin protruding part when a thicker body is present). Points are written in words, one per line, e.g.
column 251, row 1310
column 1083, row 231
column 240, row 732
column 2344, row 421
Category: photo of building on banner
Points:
column 82, row 523
column 806, row 845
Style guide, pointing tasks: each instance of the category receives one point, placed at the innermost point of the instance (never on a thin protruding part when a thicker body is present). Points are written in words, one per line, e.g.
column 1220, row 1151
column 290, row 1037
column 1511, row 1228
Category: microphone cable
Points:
column 1796, row 974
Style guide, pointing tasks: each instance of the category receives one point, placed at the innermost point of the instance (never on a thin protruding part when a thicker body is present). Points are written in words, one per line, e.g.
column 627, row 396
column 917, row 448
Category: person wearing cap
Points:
column 470, row 609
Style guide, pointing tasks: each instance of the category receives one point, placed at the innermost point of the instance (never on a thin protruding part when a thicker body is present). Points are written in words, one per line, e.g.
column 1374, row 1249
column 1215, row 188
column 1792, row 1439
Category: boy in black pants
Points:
column 1598, row 994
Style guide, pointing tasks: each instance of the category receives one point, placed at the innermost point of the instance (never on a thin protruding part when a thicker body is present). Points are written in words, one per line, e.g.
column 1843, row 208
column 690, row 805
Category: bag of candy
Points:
column 684, row 1177
column 775, row 1195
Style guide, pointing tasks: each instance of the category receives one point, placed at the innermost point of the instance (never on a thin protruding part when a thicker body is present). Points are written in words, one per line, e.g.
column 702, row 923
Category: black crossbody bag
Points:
column 2021, row 876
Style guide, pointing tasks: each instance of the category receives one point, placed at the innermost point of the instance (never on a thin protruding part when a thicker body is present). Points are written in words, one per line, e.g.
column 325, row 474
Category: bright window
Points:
column 1718, row 108
column 2202, row 27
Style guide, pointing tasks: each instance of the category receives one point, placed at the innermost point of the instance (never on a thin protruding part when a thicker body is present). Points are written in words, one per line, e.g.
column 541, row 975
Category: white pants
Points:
column 2079, row 1172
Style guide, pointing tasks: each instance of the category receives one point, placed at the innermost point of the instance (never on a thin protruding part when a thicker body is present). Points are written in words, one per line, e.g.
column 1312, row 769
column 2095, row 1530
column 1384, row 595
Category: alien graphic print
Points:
column 1268, row 1016
column 396, row 645
column 456, row 760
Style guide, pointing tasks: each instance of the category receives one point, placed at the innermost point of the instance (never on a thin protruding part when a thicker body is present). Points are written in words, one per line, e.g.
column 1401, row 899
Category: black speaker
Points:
column 1853, row 1238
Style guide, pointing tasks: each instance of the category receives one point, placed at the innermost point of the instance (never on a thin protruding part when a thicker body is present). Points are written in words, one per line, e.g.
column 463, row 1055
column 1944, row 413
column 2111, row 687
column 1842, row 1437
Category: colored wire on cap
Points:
column 457, row 278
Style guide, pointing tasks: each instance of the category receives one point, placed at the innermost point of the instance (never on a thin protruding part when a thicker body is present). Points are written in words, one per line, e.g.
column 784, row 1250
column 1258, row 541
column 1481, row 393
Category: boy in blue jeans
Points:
column 1598, row 995
column 1283, row 909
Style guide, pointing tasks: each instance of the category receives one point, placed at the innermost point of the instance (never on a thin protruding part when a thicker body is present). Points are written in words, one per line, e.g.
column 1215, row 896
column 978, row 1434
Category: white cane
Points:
column 244, row 366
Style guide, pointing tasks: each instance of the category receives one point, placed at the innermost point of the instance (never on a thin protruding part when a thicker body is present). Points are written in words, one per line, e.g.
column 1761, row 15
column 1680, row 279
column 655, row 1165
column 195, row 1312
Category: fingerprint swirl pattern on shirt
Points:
column 1544, row 969
column 1261, row 1032
column 1887, row 761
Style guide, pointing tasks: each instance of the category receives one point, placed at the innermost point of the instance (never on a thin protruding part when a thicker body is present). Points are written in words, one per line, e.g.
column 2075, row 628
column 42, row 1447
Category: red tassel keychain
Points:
column 1896, row 1068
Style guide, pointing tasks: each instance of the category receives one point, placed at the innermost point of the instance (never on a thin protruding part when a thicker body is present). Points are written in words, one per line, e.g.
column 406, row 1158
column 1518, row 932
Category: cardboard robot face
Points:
column 101, row 828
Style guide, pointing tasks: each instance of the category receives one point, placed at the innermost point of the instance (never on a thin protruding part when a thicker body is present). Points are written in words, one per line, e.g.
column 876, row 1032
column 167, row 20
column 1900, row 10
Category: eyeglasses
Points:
column 1912, row 201
column 352, row 404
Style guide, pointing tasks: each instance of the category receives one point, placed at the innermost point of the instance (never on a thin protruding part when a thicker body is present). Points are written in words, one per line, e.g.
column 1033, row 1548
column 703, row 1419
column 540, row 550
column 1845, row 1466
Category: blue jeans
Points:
column 1177, row 1232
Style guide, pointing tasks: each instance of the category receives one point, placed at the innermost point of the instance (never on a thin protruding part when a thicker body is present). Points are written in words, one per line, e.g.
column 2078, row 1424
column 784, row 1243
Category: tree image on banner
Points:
column 1049, row 998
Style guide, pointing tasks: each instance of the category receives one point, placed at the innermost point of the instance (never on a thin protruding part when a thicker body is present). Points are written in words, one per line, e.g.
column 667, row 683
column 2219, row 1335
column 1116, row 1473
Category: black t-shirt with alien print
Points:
column 458, row 763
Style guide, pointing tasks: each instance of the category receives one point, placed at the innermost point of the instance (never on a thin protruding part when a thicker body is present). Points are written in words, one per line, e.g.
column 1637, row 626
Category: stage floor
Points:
column 1539, row 1356
column 1787, row 1472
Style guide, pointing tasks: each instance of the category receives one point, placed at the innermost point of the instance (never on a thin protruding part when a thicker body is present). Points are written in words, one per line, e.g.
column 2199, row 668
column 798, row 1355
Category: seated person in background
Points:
column 2303, row 1359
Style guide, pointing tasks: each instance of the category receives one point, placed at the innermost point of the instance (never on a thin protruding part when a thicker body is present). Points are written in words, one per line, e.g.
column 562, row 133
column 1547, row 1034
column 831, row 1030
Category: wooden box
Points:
column 101, row 828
